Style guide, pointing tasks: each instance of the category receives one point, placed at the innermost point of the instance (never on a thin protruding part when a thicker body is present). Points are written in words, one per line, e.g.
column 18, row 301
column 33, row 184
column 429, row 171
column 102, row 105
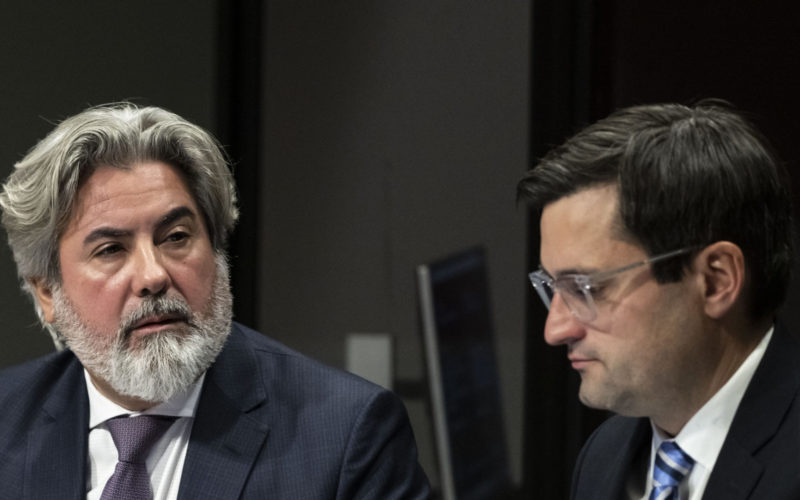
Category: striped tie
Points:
column 672, row 465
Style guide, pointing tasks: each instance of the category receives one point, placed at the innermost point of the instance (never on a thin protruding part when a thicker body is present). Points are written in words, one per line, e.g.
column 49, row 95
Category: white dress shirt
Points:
column 703, row 435
column 165, row 461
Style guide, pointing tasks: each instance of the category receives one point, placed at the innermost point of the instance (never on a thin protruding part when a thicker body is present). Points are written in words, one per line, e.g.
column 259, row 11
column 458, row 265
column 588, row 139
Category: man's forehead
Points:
column 110, row 193
column 590, row 211
column 581, row 231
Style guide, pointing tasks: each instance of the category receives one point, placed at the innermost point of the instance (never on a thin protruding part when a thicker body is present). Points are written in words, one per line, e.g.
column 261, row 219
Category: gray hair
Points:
column 38, row 197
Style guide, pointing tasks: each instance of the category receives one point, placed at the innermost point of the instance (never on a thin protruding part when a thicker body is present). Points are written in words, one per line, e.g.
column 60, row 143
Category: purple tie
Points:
column 133, row 438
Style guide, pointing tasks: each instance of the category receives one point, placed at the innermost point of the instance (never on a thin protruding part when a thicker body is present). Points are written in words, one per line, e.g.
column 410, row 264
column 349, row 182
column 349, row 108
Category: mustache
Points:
column 155, row 306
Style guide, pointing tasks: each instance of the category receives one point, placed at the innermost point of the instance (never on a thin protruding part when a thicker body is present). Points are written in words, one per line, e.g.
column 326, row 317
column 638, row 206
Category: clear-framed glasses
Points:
column 577, row 289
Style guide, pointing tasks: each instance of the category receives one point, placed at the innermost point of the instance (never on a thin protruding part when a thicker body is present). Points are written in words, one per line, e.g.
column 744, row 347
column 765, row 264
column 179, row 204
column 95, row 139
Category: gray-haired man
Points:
column 118, row 222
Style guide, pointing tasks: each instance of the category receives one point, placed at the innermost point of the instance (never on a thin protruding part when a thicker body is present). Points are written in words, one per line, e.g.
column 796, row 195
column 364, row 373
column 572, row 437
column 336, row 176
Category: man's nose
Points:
column 561, row 326
column 150, row 276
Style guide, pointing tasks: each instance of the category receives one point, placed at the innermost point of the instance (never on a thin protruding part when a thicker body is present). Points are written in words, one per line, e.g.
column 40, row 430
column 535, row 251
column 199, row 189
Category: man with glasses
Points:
column 666, row 247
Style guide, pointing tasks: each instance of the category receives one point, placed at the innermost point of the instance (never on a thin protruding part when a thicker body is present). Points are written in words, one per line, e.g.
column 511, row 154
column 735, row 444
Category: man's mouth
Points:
column 157, row 323
column 579, row 362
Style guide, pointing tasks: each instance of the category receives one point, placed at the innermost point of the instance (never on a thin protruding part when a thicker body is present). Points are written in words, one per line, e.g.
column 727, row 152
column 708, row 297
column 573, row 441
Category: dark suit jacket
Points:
column 270, row 423
column 760, row 458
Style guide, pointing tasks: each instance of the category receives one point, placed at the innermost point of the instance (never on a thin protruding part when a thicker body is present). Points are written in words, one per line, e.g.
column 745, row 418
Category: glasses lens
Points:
column 573, row 290
column 575, row 293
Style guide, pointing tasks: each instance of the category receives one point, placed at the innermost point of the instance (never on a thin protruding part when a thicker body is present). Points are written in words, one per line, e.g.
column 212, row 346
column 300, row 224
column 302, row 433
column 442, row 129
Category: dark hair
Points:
column 687, row 176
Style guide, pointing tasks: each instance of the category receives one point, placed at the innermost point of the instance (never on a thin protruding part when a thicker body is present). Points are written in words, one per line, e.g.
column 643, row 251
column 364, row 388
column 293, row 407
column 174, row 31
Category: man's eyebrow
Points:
column 105, row 232
column 115, row 233
column 573, row 271
column 175, row 214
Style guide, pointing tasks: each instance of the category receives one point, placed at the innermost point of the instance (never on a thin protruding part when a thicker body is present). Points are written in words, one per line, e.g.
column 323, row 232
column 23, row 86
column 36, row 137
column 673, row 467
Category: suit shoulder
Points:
column 616, row 436
column 305, row 392
column 357, row 433
column 607, row 456
column 25, row 388
column 613, row 431
column 278, row 362
column 27, row 377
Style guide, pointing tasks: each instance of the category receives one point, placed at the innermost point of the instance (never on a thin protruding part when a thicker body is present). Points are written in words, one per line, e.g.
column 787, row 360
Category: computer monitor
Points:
column 462, row 376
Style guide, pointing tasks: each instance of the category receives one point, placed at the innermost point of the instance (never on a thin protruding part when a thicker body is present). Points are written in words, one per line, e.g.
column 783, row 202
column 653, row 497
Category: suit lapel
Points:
column 53, row 468
column 626, row 457
column 758, row 418
column 229, row 429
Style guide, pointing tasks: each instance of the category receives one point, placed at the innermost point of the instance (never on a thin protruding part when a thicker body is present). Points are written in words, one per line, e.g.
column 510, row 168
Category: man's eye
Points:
column 108, row 250
column 572, row 286
column 177, row 236
column 597, row 290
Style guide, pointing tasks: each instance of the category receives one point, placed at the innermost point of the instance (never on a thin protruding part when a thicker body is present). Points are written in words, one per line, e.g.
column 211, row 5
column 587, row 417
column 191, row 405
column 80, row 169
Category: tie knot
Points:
column 672, row 464
column 134, row 436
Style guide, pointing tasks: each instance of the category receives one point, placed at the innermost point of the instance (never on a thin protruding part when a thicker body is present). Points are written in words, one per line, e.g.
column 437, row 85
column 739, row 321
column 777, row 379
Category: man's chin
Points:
column 595, row 397
column 610, row 398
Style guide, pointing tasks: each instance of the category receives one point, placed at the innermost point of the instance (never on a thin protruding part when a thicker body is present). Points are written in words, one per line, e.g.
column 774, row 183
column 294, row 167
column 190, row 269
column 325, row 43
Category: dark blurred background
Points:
column 370, row 137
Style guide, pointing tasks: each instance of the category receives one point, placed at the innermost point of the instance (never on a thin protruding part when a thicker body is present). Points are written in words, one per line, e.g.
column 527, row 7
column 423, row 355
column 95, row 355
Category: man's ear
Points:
column 722, row 268
column 44, row 295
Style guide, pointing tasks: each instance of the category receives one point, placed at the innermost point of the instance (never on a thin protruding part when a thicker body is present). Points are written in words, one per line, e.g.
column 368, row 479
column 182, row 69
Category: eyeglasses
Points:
column 577, row 290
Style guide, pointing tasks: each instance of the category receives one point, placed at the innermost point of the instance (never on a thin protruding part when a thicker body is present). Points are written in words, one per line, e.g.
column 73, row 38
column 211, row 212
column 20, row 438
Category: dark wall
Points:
column 394, row 133
column 57, row 58
column 593, row 57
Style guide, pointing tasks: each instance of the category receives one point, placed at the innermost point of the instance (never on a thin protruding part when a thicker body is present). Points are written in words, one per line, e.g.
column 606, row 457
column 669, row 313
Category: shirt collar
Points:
column 703, row 435
column 183, row 404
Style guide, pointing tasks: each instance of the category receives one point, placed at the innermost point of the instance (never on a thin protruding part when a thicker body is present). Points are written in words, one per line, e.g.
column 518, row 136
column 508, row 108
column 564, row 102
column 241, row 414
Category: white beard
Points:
column 162, row 364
